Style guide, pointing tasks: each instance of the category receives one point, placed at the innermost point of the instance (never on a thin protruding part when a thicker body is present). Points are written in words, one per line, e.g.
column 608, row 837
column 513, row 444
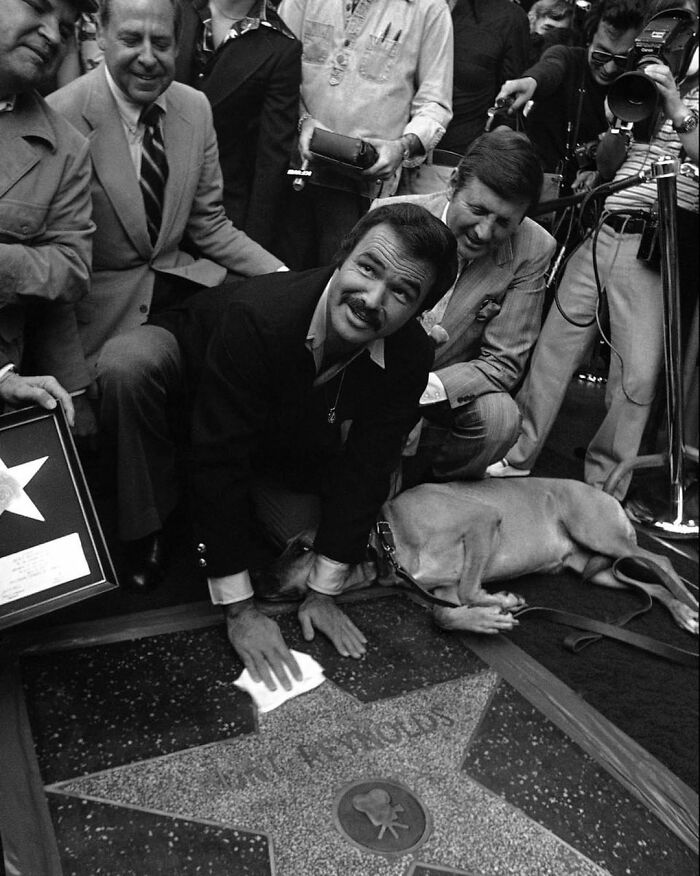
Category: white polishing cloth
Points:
column 266, row 700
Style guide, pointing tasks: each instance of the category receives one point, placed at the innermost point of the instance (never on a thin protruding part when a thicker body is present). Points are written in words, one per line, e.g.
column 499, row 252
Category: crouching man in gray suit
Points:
column 486, row 325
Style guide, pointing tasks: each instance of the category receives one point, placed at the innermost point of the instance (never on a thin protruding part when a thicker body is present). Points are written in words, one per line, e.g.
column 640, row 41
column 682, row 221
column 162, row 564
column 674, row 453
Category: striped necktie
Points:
column 154, row 169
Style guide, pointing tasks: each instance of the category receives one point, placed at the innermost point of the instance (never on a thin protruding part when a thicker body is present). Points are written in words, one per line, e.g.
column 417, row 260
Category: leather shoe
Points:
column 145, row 562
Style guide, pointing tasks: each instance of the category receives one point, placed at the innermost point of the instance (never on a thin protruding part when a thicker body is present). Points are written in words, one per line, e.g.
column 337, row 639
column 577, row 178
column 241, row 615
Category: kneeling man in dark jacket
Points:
column 302, row 389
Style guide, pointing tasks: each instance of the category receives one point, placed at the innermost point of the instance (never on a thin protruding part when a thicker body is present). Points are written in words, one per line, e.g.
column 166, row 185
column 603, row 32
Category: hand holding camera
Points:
column 660, row 58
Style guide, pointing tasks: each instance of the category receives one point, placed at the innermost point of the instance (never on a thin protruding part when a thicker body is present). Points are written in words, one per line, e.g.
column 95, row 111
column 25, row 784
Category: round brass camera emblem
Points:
column 382, row 816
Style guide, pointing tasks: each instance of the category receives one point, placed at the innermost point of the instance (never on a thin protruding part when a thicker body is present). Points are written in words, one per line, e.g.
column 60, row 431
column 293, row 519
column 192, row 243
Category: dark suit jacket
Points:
column 255, row 409
column 253, row 87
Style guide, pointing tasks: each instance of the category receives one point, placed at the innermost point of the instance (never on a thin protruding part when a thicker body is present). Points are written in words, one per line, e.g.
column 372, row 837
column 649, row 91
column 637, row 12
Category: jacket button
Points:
column 143, row 308
column 202, row 562
column 201, row 548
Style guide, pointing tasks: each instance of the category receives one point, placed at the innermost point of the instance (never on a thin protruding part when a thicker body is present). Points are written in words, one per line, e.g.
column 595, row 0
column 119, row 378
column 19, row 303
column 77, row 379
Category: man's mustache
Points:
column 369, row 314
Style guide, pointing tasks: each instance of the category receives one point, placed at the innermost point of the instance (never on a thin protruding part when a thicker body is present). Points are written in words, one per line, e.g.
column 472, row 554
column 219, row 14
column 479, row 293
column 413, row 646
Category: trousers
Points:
column 144, row 423
column 635, row 303
column 459, row 443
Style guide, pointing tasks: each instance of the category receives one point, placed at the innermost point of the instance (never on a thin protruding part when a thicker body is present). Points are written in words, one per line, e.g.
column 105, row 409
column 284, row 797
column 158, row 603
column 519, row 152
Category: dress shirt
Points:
column 327, row 576
column 396, row 74
column 130, row 115
column 434, row 391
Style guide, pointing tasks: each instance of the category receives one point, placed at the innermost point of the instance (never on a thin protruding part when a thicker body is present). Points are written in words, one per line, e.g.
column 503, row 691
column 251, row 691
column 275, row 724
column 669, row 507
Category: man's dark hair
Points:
column 505, row 161
column 423, row 235
column 621, row 15
column 106, row 12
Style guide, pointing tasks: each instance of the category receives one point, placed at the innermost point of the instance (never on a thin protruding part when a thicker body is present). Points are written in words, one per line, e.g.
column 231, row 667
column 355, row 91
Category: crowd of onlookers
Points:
column 152, row 239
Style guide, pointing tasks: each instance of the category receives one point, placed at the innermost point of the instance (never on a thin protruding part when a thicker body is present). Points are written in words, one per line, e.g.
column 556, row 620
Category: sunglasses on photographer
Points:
column 600, row 59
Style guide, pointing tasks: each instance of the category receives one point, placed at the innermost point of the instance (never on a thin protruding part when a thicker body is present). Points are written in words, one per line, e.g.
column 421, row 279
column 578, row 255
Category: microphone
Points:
column 602, row 190
column 626, row 182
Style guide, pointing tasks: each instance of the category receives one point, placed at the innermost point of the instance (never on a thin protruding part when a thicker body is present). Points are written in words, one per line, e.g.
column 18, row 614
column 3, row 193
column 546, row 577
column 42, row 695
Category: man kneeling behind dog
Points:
column 489, row 321
column 302, row 389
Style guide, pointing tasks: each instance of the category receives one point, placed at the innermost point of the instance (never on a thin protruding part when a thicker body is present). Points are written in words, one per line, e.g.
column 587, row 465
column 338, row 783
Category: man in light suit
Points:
column 45, row 226
column 486, row 326
column 141, row 266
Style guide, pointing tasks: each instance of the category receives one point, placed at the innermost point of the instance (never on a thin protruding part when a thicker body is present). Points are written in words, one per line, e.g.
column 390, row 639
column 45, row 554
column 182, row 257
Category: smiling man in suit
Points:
column 487, row 324
column 162, row 232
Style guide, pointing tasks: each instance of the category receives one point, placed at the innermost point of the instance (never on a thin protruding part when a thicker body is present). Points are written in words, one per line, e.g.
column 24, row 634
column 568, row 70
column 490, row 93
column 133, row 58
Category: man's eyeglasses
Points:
column 600, row 59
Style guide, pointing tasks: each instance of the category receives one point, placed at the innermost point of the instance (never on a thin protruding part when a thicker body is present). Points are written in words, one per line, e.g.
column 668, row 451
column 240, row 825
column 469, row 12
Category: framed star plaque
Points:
column 52, row 550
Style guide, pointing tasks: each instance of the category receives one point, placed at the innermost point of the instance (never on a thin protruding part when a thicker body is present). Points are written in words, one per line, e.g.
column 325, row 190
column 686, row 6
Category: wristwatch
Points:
column 689, row 123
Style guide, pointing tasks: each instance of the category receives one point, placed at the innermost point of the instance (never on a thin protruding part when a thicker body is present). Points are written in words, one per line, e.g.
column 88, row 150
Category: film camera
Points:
column 668, row 38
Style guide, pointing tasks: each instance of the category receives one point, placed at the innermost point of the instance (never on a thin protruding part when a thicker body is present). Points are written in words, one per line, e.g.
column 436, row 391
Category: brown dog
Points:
column 454, row 537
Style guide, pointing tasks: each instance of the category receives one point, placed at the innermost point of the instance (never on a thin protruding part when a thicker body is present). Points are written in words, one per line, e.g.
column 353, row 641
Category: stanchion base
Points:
column 662, row 519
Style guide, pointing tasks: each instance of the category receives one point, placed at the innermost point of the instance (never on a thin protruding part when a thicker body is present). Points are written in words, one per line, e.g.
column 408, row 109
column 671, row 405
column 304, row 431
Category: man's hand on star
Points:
column 258, row 641
column 320, row 612
column 18, row 390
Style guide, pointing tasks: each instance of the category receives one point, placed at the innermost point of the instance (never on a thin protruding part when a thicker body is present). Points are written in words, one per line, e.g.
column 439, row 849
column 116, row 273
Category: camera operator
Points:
column 631, row 278
column 569, row 85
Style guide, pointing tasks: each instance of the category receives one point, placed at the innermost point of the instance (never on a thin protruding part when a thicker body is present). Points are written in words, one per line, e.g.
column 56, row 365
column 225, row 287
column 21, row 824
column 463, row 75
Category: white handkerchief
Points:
column 267, row 700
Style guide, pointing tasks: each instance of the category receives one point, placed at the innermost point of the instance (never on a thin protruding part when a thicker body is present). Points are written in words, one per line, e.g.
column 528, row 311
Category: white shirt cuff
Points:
column 434, row 392
column 281, row 268
column 327, row 576
column 230, row 588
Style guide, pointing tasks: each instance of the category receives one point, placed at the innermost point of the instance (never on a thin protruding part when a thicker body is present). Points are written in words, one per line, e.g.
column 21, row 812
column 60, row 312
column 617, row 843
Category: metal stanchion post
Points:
column 671, row 518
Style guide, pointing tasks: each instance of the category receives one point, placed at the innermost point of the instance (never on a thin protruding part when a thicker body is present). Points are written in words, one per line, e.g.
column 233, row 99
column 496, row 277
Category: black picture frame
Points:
column 60, row 557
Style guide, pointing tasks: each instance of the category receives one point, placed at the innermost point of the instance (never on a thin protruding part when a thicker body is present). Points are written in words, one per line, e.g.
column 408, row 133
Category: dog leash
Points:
column 597, row 630
column 575, row 642
column 388, row 546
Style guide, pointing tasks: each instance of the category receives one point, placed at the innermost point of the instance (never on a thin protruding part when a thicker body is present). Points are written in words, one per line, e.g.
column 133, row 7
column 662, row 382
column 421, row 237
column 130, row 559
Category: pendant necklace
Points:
column 331, row 410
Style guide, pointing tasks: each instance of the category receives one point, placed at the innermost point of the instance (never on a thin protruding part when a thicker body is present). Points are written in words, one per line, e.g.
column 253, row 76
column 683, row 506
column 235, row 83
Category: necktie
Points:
column 154, row 170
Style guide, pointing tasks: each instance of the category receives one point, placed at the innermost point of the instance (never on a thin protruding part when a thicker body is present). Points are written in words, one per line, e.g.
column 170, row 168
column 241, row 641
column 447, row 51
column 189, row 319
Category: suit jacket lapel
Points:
column 237, row 62
column 112, row 163
column 178, row 138
column 479, row 282
column 18, row 159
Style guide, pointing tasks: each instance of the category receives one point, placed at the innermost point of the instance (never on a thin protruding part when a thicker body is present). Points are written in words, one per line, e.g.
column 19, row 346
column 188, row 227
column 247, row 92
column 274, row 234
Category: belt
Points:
column 443, row 158
column 632, row 224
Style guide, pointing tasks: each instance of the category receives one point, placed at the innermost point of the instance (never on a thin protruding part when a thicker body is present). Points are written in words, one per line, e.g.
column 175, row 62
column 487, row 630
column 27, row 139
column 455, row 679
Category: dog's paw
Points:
column 485, row 619
column 510, row 601
column 684, row 616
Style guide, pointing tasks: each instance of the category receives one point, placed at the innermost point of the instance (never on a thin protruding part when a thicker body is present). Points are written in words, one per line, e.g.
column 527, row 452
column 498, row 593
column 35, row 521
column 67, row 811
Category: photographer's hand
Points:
column 519, row 90
column 673, row 106
column 585, row 181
